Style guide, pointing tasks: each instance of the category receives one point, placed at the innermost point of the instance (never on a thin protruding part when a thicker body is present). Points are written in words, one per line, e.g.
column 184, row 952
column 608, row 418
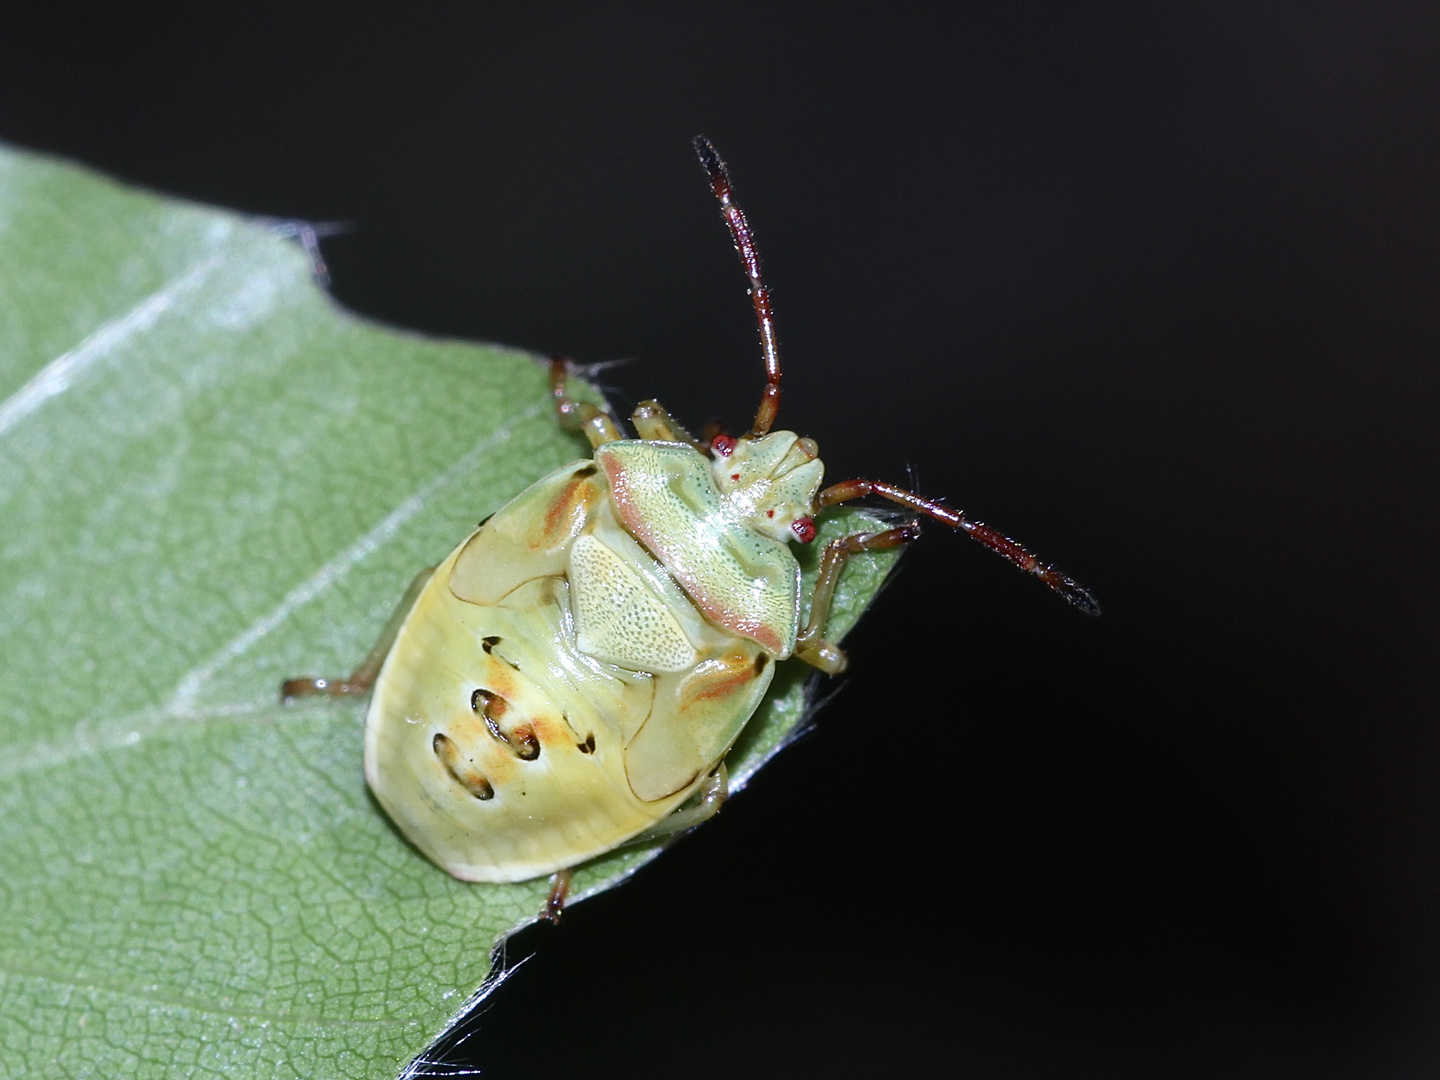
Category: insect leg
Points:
column 559, row 893
column 996, row 541
column 759, row 294
column 811, row 645
column 653, row 421
column 707, row 803
column 362, row 678
column 579, row 415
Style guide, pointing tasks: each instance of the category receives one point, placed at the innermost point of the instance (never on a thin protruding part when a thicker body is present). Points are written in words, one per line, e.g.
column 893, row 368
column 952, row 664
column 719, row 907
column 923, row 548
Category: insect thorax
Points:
column 741, row 576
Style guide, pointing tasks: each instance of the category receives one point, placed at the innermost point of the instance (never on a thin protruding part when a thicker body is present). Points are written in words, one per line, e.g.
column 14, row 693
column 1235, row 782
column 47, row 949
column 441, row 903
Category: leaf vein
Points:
column 182, row 706
column 191, row 684
column 60, row 374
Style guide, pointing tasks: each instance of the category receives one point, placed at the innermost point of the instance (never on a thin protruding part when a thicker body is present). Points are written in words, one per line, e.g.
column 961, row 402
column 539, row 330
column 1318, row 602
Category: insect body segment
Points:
column 575, row 671
column 743, row 580
column 552, row 690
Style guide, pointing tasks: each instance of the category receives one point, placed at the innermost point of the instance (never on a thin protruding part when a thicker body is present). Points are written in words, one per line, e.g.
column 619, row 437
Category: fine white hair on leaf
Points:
column 463, row 1025
column 308, row 235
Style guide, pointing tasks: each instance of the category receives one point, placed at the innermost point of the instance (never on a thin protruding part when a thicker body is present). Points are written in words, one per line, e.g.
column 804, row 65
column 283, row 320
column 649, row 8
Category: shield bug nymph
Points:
column 575, row 671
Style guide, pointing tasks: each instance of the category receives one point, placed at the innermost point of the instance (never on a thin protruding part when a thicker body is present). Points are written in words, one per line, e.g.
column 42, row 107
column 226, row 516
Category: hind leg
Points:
column 362, row 678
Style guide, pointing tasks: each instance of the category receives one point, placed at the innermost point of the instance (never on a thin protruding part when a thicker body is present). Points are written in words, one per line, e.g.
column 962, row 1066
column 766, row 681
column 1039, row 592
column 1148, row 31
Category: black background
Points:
column 1151, row 286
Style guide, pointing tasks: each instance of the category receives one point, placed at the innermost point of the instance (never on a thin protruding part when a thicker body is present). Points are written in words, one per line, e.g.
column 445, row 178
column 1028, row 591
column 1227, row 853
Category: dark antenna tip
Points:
column 705, row 151
column 1080, row 597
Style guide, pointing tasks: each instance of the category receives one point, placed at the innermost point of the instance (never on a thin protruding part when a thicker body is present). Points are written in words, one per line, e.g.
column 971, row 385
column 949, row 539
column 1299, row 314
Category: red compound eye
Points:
column 724, row 445
column 804, row 529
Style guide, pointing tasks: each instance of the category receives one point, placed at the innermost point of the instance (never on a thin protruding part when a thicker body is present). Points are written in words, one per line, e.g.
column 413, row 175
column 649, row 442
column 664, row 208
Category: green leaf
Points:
column 212, row 478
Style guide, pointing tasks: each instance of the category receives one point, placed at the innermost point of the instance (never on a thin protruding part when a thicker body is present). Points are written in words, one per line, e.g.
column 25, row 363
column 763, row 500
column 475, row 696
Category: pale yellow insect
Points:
column 573, row 674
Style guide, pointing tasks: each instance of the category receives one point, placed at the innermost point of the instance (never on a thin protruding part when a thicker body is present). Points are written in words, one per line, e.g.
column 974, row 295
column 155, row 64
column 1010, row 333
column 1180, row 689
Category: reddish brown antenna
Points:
column 759, row 294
